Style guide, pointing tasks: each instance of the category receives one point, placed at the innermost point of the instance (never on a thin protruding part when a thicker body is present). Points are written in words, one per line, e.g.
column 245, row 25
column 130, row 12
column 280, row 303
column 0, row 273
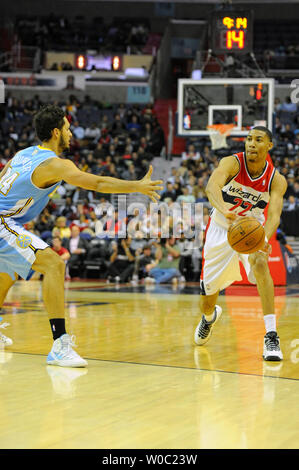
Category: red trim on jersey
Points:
column 262, row 182
column 203, row 249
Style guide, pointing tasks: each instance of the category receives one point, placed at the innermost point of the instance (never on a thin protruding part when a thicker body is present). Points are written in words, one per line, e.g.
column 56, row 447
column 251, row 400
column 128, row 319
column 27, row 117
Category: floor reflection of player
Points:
column 243, row 184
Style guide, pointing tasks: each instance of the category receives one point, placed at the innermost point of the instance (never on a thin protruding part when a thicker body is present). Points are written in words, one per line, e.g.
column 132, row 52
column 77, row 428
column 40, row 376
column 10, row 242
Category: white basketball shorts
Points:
column 220, row 262
column 17, row 248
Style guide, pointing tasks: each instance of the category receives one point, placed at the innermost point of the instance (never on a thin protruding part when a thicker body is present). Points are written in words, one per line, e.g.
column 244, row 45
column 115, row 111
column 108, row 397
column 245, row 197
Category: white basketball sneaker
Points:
column 203, row 330
column 4, row 340
column 63, row 355
column 272, row 351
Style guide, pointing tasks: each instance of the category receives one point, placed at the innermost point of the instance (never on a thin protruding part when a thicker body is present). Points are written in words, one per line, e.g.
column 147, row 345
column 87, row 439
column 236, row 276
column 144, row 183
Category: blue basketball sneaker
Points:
column 63, row 355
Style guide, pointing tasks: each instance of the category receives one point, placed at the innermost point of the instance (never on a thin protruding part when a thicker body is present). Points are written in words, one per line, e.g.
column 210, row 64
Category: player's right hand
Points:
column 148, row 187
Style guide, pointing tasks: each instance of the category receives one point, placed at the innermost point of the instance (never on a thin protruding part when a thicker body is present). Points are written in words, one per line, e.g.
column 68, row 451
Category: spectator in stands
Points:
column 158, row 138
column 290, row 188
column 121, row 260
column 68, row 209
column 127, row 147
column 186, row 196
column 113, row 224
column 287, row 105
column 90, row 161
column 105, row 139
column 168, row 257
column 144, row 262
column 78, row 249
column 287, row 134
column 99, row 151
column 277, row 104
column 45, row 222
column 92, row 132
column 92, row 221
column 121, row 110
column 199, row 190
column 118, row 127
column 130, row 173
column 127, row 153
column 279, row 127
column 29, row 108
column 291, row 204
column 144, row 154
column 168, row 193
column 82, row 222
column 191, row 257
column 111, row 170
column 178, row 188
column 105, row 124
column 31, row 226
column 13, row 134
column 78, row 131
column 191, row 153
column 172, row 178
column 148, row 112
column 146, row 131
column 60, row 224
column 208, row 155
column 134, row 127
column 87, row 206
column 59, row 249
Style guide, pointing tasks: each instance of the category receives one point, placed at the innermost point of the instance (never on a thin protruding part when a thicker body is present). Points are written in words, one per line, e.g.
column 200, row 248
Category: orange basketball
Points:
column 246, row 235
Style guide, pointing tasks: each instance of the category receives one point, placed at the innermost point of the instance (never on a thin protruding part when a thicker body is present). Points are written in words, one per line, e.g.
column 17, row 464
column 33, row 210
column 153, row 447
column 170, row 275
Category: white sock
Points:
column 270, row 322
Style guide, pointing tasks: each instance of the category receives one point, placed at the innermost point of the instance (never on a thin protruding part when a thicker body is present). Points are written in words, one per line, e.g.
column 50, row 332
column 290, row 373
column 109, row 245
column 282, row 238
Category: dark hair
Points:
column 263, row 129
column 49, row 117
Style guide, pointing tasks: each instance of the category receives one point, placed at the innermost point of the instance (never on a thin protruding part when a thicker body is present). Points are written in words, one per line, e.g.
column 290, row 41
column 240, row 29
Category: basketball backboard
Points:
column 244, row 102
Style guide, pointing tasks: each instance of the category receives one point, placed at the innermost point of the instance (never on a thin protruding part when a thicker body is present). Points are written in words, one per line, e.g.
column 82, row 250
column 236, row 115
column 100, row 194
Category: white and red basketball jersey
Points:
column 245, row 195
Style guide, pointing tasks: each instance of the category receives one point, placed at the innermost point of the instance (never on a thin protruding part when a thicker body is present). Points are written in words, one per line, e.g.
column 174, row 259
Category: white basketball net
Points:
column 218, row 136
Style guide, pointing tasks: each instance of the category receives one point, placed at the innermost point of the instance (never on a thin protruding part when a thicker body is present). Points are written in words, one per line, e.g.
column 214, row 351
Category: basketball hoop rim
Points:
column 224, row 129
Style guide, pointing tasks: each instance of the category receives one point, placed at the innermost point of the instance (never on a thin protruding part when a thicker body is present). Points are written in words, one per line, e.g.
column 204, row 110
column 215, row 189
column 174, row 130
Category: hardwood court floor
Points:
column 147, row 385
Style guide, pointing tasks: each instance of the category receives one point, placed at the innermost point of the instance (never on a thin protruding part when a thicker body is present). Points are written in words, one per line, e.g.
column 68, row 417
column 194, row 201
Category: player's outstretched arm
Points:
column 56, row 169
column 227, row 169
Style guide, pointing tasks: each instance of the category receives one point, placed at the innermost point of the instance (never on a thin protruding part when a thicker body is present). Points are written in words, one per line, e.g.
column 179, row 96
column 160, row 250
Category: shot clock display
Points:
column 231, row 31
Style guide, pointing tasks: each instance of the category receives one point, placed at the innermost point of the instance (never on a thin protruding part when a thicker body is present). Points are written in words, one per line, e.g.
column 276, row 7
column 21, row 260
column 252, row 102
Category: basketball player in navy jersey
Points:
column 26, row 183
column 242, row 185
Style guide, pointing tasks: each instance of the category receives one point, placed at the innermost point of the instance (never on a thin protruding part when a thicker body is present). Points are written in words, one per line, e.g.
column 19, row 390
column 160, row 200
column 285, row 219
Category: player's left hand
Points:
column 148, row 187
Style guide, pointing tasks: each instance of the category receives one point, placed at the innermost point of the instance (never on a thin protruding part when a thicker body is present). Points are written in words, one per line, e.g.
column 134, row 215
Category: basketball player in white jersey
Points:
column 242, row 185
column 26, row 183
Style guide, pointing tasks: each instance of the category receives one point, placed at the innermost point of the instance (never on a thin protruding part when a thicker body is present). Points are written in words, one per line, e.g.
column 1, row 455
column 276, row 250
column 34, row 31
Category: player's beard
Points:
column 63, row 144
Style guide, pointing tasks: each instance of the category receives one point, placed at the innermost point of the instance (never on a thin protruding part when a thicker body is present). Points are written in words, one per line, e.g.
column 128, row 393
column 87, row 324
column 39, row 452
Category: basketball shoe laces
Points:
column 272, row 343
column 65, row 346
column 204, row 328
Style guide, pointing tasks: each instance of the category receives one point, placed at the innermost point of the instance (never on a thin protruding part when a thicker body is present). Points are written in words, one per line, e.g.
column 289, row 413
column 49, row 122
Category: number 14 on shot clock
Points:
column 231, row 31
